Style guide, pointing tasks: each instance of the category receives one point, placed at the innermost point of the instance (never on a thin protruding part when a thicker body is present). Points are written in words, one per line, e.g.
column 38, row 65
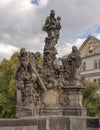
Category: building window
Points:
column 95, row 64
column 84, row 66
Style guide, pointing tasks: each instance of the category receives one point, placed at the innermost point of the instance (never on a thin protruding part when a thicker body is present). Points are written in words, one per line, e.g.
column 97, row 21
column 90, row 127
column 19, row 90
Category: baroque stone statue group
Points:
column 53, row 88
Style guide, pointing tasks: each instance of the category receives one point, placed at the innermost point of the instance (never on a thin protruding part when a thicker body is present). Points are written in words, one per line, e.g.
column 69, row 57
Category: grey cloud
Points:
column 77, row 15
column 22, row 28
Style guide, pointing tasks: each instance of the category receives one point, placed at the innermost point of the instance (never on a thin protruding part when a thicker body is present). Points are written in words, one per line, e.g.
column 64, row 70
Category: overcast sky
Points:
column 21, row 22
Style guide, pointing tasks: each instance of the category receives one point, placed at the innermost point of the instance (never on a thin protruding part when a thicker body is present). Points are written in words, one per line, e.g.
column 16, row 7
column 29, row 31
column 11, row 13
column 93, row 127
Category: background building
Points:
column 90, row 53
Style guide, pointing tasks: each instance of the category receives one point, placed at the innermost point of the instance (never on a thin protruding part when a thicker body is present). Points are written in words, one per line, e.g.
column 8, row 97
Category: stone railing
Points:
column 51, row 123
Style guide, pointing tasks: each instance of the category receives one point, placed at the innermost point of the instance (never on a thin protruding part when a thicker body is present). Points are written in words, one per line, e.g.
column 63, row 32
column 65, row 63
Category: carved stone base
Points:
column 51, row 111
column 68, row 111
column 53, row 102
column 27, row 113
column 23, row 113
column 50, row 98
column 75, row 111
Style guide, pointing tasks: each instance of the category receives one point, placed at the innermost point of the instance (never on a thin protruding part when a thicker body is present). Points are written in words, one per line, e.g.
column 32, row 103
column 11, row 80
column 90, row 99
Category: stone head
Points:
column 74, row 48
column 22, row 50
column 52, row 13
column 58, row 18
column 38, row 54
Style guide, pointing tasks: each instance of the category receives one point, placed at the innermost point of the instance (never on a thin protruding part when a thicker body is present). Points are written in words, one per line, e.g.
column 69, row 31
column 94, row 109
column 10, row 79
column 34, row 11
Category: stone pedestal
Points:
column 51, row 103
column 23, row 113
column 50, row 99
column 75, row 106
column 75, row 95
column 51, row 123
column 51, row 111
column 75, row 111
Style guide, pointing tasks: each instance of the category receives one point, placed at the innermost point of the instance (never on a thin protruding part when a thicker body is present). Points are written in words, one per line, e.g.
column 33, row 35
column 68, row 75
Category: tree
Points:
column 7, row 88
column 91, row 99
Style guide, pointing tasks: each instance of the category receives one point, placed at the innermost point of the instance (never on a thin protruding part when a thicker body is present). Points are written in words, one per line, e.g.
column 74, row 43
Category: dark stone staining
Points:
column 17, row 122
column 93, row 123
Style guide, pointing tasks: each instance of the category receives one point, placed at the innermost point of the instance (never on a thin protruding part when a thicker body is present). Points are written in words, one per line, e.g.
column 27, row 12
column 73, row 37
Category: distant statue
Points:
column 52, row 26
column 24, row 57
column 27, row 80
column 72, row 63
column 34, row 59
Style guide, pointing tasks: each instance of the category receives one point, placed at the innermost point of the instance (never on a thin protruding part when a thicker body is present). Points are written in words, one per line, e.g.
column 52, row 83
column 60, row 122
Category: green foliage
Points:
column 91, row 99
column 7, row 88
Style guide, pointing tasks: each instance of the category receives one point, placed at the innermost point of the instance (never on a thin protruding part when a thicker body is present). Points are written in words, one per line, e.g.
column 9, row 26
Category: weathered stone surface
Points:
column 41, row 124
column 93, row 122
column 20, row 128
column 51, row 123
column 76, row 111
column 51, row 111
column 17, row 122
column 51, row 98
column 59, row 123
column 77, row 123
column 93, row 128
